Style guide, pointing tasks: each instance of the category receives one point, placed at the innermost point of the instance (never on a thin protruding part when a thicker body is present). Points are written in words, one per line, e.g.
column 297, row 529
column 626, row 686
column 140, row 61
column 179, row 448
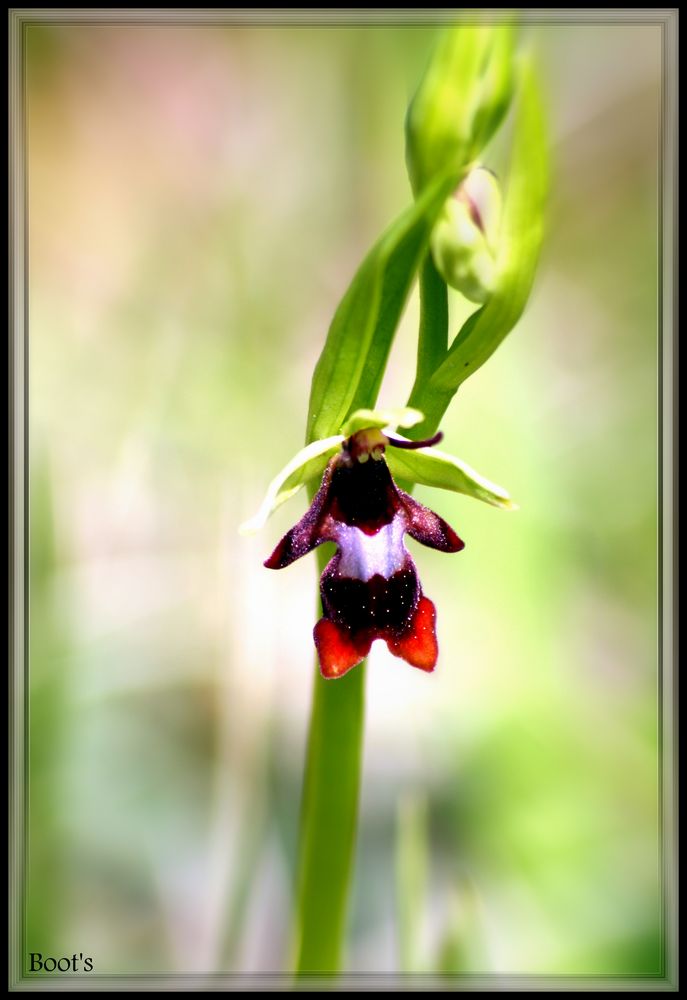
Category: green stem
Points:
column 433, row 333
column 329, row 818
column 431, row 352
column 434, row 406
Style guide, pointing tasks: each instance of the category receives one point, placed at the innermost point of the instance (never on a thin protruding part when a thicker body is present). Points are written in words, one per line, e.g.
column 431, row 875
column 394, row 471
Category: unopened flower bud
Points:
column 460, row 102
column 464, row 241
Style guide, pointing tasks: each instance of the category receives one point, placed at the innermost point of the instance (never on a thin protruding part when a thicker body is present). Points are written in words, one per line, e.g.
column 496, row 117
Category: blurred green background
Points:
column 199, row 199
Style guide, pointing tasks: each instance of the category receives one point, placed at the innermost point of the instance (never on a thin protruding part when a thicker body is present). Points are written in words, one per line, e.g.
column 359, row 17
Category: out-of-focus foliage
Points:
column 199, row 201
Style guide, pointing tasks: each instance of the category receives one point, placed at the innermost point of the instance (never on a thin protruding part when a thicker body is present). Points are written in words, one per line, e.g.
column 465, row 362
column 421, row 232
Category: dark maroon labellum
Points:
column 370, row 588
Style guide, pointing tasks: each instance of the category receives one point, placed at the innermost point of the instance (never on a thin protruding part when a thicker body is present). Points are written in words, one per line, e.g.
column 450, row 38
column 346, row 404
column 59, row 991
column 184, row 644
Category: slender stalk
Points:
column 329, row 817
column 433, row 333
column 431, row 352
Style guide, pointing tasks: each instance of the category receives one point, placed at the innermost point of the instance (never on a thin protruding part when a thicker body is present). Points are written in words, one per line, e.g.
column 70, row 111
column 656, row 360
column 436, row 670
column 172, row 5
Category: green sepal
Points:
column 431, row 467
column 308, row 464
column 403, row 416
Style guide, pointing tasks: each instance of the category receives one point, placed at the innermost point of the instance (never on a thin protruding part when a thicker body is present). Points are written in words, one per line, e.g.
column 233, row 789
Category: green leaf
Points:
column 306, row 465
column 431, row 467
column 402, row 416
column 350, row 369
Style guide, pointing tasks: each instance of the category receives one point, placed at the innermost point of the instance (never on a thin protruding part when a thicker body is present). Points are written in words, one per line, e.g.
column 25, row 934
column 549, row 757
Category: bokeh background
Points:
column 199, row 199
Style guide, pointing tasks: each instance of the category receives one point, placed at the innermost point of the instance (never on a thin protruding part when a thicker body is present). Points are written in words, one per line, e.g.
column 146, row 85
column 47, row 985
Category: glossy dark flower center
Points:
column 363, row 495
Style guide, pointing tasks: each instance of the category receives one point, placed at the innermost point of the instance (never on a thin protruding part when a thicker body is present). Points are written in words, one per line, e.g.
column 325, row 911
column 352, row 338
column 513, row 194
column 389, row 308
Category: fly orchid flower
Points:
column 370, row 588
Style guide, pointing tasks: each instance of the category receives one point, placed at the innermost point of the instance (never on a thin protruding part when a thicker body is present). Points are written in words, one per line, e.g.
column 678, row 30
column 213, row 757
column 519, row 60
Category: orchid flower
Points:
column 370, row 589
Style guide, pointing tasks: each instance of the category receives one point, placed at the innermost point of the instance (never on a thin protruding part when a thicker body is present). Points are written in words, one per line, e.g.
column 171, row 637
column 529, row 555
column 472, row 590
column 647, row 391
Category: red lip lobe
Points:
column 340, row 648
column 418, row 644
